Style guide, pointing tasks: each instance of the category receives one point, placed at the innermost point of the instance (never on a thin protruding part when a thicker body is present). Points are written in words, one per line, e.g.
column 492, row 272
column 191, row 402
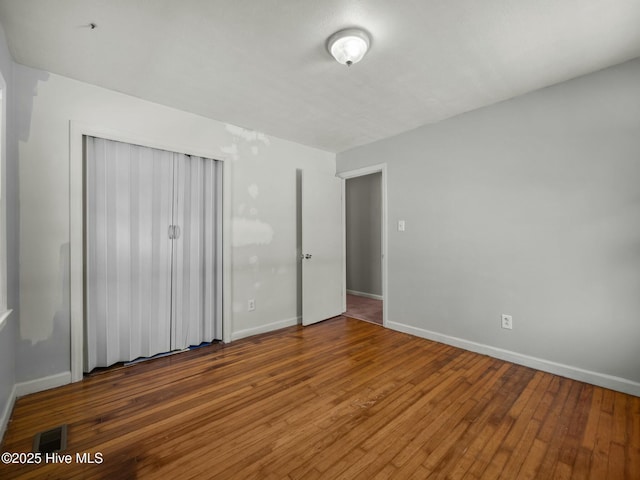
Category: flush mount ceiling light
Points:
column 348, row 46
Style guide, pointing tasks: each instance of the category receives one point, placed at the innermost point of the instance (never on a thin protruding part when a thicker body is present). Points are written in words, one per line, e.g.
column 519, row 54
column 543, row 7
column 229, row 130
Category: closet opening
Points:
column 152, row 252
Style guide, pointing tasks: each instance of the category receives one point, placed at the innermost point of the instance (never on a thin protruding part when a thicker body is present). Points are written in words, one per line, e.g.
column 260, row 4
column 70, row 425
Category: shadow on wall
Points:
column 51, row 356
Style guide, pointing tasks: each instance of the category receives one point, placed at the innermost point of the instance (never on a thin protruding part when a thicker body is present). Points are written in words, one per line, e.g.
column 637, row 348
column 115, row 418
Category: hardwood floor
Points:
column 339, row 399
column 364, row 308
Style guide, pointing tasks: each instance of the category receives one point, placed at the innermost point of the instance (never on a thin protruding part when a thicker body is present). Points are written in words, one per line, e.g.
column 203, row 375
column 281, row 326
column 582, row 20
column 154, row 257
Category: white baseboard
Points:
column 40, row 384
column 269, row 327
column 575, row 373
column 363, row 294
column 6, row 413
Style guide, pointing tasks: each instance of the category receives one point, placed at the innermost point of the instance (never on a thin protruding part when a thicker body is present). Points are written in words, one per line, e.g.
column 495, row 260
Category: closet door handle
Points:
column 174, row 232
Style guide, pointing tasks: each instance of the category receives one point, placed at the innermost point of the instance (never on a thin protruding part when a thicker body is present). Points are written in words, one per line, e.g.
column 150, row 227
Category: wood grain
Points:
column 339, row 399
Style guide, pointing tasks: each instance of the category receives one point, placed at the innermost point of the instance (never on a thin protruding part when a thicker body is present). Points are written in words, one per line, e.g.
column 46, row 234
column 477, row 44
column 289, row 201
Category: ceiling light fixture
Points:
column 349, row 46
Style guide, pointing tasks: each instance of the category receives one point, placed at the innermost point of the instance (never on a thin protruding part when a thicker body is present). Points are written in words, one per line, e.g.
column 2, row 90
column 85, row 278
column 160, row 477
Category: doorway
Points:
column 365, row 244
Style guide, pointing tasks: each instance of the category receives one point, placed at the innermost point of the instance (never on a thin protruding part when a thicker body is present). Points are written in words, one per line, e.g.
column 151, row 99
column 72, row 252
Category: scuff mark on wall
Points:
column 247, row 232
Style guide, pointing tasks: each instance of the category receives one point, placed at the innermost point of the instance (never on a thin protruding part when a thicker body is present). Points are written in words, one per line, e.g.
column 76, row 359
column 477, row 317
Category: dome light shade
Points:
column 348, row 46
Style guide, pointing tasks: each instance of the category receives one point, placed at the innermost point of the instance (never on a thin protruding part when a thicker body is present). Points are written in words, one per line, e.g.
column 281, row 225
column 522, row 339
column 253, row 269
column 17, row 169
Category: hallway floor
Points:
column 362, row 308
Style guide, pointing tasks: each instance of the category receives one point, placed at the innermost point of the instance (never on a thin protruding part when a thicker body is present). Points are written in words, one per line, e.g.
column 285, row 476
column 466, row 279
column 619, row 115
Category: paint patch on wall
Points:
column 250, row 232
column 231, row 151
column 254, row 150
column 253, row 260
column 253, row 190
column 248, row 135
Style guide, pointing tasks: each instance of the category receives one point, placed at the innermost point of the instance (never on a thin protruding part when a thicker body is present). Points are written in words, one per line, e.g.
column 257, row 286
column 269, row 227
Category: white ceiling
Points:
column 262, row 64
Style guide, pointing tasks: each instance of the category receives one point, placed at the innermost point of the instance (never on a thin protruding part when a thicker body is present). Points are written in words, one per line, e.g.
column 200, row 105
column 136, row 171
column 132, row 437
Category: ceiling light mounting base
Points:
column 349, row 46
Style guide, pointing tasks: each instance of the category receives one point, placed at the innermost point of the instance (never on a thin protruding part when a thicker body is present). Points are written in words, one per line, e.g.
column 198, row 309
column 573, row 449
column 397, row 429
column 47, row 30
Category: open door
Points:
column 322, row 247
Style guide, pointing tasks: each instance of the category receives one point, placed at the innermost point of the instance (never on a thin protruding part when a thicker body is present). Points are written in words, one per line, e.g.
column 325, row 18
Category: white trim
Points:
column 575, row 373
column 6, row 413
column 359, row 172
column 76, row 131
column 343, row 200
column 364, row 294
column 41, row 384
column 269, row 327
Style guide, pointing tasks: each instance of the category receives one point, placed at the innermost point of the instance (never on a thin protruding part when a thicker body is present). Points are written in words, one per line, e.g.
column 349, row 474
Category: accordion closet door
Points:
column 152, row 246
column 197, row 252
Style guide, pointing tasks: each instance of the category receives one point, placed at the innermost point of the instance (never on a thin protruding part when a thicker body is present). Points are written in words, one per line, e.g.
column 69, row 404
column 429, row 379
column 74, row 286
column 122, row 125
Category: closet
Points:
column 153, row 248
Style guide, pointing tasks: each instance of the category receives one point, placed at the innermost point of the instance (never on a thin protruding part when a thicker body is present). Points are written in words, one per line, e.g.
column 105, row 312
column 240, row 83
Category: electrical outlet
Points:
column 507, row 321
column 401, row 225
column 251, row 305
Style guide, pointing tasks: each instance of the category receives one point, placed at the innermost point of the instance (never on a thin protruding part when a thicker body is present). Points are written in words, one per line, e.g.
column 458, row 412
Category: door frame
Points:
column 77, row 131
column 359, row 172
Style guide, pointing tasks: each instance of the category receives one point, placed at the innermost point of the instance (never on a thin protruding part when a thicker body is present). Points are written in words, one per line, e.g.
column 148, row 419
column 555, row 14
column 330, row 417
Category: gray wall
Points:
column 530, row 207
column 8, row 334
column 363, row 212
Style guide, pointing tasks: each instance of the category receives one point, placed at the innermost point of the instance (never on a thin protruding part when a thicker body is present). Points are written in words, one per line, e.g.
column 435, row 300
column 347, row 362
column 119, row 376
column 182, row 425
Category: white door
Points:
column 322, row 247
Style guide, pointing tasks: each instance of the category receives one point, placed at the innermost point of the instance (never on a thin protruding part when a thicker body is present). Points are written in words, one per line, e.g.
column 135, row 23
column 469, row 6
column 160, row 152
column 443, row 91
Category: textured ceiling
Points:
column 262, row 64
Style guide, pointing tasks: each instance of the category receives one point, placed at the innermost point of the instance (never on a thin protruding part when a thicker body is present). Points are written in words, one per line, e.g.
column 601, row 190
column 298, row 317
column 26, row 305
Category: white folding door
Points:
column 153, row 249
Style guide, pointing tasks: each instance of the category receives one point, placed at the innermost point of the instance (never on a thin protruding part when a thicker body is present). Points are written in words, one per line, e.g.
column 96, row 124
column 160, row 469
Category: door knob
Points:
column 306, row 256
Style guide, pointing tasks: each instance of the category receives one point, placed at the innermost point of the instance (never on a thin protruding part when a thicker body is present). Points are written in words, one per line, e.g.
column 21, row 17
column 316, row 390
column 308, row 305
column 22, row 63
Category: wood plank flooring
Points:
column 342, row 399
column 363, row 308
